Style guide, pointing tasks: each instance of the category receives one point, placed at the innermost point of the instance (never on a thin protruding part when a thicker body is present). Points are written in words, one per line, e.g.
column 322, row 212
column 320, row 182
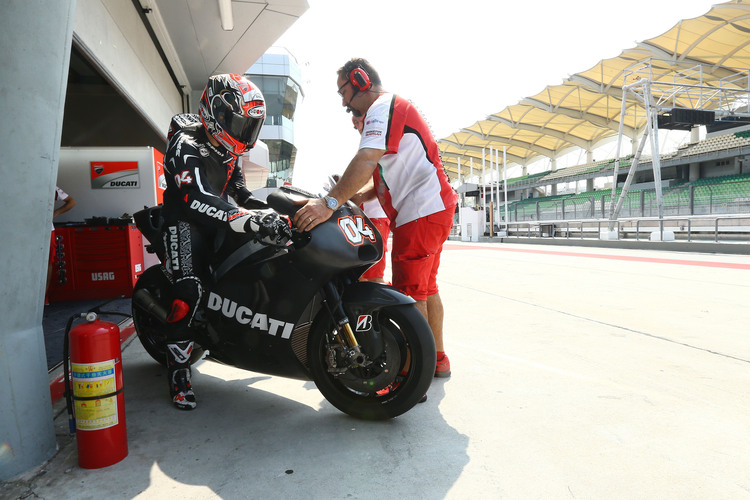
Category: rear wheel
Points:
column 400, row 353
column 151, row 331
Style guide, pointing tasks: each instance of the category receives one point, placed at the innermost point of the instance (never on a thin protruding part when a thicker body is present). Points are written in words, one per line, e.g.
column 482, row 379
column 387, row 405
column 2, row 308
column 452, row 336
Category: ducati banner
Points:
column 114, row 175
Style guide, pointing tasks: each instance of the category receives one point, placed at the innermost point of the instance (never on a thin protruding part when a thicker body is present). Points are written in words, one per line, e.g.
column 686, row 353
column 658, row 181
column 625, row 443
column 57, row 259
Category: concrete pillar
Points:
column 695, row 172
column 695, row 134
column 589, row 156
column 553, row 166
column 589, row 185
column 36, row 38
column 525, row 171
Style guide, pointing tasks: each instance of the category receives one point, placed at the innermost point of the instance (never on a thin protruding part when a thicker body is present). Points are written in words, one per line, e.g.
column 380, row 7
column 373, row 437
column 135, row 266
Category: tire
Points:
column 151, row 332
column 381, row 390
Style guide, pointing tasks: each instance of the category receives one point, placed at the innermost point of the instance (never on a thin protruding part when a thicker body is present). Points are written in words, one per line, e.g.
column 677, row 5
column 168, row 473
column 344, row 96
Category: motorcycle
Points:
column 300, row 312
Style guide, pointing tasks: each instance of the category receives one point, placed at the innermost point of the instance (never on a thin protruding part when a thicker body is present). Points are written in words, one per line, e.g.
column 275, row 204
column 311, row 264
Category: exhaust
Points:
column 144, row 300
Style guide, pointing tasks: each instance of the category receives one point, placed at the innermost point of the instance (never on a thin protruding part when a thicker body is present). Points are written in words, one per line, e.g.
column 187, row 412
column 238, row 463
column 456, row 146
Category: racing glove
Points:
column 267, row 227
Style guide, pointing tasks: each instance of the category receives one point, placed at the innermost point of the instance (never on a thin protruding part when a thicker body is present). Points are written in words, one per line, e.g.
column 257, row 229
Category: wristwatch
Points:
column 331, row 202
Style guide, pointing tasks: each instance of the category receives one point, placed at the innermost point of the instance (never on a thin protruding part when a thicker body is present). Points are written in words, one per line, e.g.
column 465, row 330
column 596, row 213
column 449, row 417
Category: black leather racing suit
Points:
column 199, row 176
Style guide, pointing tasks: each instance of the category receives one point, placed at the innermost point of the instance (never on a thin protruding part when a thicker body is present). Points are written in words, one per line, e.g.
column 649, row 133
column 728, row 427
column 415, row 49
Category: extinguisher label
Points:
column 90, row 381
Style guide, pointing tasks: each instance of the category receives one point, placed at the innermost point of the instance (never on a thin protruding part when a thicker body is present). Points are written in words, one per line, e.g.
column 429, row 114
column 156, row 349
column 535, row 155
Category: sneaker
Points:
column 181, row 391
column 443, row 367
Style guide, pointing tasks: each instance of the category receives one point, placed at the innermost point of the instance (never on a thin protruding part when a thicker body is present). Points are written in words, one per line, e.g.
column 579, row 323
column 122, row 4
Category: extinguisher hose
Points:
column 66, row 373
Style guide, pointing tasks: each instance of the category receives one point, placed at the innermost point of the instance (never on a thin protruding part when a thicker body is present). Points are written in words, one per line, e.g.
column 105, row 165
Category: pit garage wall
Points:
column 111, row 34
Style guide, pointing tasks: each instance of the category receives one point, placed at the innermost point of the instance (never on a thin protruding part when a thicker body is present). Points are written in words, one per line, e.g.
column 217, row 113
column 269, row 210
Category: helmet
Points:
column 233, row 111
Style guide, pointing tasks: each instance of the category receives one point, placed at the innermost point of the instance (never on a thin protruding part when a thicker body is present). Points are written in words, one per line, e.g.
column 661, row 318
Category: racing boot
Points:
column 178, row 365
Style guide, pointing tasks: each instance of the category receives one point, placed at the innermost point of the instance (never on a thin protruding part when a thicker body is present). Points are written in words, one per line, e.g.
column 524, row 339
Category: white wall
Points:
column 111, row 34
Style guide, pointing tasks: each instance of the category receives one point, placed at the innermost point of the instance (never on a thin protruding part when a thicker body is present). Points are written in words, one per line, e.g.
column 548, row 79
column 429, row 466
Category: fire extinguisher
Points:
column 94, row 391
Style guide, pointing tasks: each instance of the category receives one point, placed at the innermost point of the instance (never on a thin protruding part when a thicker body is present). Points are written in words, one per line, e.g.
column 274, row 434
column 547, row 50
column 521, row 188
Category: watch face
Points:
column 332, row 203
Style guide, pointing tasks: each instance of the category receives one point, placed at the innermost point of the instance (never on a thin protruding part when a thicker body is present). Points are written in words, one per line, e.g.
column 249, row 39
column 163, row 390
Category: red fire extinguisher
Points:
column 97, row 400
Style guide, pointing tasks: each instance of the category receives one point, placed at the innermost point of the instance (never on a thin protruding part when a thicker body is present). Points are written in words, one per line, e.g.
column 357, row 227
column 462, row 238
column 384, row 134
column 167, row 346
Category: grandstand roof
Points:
column 710, row 52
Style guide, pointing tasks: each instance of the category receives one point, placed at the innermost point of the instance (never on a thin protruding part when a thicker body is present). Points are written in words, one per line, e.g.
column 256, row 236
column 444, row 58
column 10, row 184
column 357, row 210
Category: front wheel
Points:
column 399, row 352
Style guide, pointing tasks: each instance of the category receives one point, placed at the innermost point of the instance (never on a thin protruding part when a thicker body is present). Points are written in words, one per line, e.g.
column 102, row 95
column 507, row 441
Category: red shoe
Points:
column 443, row 367
column 387, row 389
column 392, row 387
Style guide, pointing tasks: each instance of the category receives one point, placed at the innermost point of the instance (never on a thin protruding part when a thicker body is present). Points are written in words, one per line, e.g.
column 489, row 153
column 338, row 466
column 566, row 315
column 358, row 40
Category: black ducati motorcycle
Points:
column 300, row 312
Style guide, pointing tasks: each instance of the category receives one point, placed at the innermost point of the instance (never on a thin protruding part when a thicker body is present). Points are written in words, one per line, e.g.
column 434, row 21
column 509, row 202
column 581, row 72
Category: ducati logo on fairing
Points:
column 244, row 316
column 364, row 323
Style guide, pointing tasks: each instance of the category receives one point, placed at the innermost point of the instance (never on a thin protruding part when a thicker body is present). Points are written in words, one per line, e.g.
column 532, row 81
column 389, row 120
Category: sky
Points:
column 458, row 61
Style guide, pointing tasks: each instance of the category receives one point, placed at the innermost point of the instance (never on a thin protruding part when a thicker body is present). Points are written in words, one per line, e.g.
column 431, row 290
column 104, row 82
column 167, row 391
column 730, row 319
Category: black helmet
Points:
column 233, row 111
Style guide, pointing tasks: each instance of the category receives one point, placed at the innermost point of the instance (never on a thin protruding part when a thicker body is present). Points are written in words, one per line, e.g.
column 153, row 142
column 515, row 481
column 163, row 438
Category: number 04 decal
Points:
column 355, row 230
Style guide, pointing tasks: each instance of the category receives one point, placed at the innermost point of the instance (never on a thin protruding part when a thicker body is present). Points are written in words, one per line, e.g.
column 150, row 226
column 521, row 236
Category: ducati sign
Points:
column 244, row 316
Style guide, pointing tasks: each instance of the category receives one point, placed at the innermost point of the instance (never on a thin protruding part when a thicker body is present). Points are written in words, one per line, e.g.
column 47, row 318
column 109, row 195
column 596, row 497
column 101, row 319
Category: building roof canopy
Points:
column 708, row 52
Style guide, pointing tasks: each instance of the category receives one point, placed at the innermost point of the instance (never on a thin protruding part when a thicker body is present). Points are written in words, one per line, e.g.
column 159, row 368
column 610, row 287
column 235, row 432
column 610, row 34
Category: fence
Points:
column 719, row 229
column 694, row 199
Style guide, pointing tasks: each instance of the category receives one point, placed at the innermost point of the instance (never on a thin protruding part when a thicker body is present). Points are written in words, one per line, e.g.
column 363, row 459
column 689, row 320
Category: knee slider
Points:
column 180, row 309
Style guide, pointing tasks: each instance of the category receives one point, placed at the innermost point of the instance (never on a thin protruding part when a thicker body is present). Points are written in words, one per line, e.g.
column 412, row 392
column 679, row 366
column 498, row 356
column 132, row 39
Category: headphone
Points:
column 359, row 79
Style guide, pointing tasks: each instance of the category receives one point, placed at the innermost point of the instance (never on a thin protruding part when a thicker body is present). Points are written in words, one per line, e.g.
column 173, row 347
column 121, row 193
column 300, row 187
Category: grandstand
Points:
column 692, row 76
column 704, row 195
column 712, row 195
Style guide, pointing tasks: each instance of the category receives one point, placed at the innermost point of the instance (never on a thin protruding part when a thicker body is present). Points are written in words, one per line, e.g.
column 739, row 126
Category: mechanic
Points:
column 399, row 153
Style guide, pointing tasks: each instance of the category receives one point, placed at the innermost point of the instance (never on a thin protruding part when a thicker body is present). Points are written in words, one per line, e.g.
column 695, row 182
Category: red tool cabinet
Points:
column 96, row 262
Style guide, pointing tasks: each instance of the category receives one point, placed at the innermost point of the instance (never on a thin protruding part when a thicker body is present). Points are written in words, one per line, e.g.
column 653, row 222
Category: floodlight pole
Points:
column 505, row 189
column 626, row 186
column 484, row 189
column 652, row 133
column 460, row 196
column 615, row 173
column 656, row 159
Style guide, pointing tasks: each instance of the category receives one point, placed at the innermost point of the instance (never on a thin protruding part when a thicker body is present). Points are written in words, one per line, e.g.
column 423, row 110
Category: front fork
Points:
column 349, row 350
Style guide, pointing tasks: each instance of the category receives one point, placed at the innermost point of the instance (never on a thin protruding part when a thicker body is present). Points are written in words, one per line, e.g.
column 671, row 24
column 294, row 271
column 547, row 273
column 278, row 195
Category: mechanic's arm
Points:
column 357, row 174
column 367, row 192
column 68, row 203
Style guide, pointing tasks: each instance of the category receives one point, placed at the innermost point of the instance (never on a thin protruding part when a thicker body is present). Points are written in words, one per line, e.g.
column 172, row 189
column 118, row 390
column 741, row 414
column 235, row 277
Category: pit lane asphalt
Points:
column 577, row 373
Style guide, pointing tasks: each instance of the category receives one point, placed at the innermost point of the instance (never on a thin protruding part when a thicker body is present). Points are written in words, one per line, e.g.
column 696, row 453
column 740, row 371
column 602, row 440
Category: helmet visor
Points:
column 245, row 129
column 240, row 127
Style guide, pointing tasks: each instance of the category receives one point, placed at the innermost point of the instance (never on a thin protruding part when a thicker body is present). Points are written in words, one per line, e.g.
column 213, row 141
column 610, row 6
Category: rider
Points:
column 203, row 168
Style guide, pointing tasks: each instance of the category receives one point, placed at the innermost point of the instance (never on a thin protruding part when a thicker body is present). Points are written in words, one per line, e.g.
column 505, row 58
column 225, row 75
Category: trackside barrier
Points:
column 719, row 229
